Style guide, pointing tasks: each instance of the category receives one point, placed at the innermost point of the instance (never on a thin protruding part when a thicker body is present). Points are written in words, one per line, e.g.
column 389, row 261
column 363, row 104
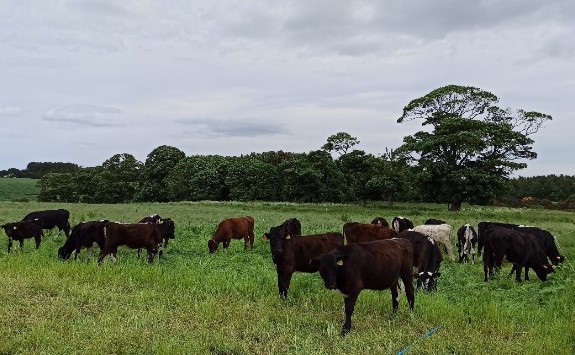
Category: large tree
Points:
column 473, row 146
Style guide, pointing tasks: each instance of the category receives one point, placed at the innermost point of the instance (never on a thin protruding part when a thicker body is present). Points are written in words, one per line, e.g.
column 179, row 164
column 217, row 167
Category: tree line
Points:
column 36, row 170
column 466, row 153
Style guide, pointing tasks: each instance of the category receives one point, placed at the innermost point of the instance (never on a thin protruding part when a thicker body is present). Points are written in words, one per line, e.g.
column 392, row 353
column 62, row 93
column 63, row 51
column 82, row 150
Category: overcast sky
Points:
column 82, row 80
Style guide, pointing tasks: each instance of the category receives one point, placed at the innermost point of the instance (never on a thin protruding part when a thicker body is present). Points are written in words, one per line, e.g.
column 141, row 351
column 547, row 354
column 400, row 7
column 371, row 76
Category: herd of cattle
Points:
column 363, row 256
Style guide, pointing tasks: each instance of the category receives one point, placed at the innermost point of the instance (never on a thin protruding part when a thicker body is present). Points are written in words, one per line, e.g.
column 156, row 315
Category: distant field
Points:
column 192, row 302
column 18, row 189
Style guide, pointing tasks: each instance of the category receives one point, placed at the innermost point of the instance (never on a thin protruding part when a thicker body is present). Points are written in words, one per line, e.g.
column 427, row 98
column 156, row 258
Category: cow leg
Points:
column 513, row 269
column 21, row 243
column 284, row 280
column 526, row 273
column 450, row 250
column 252, row 237
column 349, row 302
column 38, row 239
column 151, row 254
column 246, row 242
column 9, row 245
column 409, row 290
column 139, row 252
column 395, row 292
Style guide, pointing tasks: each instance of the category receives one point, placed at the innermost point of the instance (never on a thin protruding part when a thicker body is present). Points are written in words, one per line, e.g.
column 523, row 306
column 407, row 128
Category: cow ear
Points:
column 266, row 236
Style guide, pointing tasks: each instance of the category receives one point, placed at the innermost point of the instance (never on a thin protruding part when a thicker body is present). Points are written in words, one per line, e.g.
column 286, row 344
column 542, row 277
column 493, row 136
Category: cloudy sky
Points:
column 82, row 80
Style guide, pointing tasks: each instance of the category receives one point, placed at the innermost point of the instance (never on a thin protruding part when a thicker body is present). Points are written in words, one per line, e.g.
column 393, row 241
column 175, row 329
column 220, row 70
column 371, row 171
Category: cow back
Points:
column 355, row 232
column 299, row 251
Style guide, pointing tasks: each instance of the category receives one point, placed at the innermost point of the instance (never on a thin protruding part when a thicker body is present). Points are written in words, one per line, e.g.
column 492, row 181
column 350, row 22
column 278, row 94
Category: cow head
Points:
column 543, row 270
column 168, row 227
column 64, row 254
column 428, row 280
column 328, row 265
column 277, row 239
column 9, row 229
column 212, row 246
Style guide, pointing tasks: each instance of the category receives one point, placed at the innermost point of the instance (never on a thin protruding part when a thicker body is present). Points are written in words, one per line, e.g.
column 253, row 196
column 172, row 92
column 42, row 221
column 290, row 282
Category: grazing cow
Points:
column 482, row 227
column 155, row 218
column 545, row 238
column 23, row 230
column 377, row 265
column 84, row 235
column 136, row 235
column 426, row 257
column 433, row 221
column 294, row 253
column 233, row 228
column 401, row 223
column 466, row 239
column 51, row 218
column 547, row 241
column 380, row 221
column 440, row 233
column 363, row 232
column 521, row 249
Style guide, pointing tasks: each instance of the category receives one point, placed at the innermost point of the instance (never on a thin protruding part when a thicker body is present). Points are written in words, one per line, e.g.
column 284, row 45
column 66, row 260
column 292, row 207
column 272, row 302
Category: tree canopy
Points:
column 473, row 146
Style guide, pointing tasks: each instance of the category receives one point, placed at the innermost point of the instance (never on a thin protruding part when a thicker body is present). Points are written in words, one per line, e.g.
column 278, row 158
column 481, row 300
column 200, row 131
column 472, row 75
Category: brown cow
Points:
column 380, row 221
column 294, row 253
column 363, row 232
column 23, row 230
column 377, row 265
column 233, row 228
column 136, row 235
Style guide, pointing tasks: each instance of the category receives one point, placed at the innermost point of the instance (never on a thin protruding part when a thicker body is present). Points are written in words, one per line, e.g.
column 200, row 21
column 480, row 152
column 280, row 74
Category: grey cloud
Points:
column 84, row 115
column 232, row 127
column 10, row 110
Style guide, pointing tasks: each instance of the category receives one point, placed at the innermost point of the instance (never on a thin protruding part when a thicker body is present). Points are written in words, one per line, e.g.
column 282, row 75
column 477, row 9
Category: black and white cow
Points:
column 23, row 230
column 466, row 239
column 84, row 235
column 400, row 224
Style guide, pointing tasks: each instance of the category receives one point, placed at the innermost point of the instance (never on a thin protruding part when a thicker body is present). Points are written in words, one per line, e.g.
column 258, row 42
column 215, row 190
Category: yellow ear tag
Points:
column 288, row 236
column 340, row 263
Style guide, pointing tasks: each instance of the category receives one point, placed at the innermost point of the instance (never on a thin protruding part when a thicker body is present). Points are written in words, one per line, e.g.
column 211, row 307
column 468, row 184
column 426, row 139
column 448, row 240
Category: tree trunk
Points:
column 455, row 206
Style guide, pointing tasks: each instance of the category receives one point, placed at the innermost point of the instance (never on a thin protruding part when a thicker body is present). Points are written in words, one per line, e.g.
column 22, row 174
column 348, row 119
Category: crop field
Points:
column 191, row 302
column 18, row 189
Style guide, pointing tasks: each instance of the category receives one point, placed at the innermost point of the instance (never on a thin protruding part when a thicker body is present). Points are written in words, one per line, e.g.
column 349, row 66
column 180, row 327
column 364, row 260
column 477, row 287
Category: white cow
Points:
column 440, row 233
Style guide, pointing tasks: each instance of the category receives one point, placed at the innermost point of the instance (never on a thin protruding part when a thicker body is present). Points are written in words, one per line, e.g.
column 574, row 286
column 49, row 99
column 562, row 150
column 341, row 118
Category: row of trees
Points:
column 35, row 170
column 467, row 153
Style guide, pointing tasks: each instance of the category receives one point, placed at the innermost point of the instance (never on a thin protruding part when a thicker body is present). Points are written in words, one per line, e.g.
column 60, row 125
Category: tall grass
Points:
column 227, row 303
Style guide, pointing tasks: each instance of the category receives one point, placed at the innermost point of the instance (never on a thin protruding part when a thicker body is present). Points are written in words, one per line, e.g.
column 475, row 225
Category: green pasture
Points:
column 191, row 302
column 21, row 189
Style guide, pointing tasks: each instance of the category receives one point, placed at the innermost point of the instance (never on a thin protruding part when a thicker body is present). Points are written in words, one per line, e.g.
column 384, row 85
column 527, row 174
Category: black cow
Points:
column 482, row 227
column 466, row 239
column 155, row 218
column 84, row 235
column 23, row 230
column 376, row 265
column 433, row 221
column 521, row 249
column 290, row 226
column 400, row 224
column 294, row 253
column 52, row 218
column 426, row 257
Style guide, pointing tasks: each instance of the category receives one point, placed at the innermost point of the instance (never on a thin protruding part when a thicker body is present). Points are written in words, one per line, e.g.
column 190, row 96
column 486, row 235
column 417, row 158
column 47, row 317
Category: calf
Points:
column 51, row 218
column 377, row 265
column 466, row 239
column 84, row 235
column 137, row 235
column 233, row 228
column 23, row 230
column 362, row 232
column 380, row 221
column 521, row 249
column 294, row 253
column 400, row 224
column 440, row 233
column 426, row 257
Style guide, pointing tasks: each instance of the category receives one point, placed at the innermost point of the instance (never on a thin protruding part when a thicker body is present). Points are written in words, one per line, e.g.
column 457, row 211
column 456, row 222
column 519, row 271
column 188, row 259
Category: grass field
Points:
column 18, row 189
column 226, row 303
